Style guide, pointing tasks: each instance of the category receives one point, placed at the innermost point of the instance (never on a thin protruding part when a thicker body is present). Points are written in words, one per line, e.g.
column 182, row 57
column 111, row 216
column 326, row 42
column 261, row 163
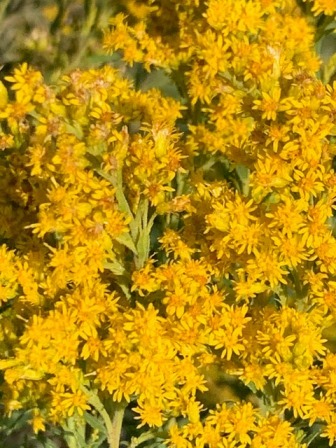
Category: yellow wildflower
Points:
column 330, row 430
column 269, row 105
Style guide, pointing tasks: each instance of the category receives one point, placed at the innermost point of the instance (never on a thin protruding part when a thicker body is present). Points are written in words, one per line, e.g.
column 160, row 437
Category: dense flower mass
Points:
column 155, row 247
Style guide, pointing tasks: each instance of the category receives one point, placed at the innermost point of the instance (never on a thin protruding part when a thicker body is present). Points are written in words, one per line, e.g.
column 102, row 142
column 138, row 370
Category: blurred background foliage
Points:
column 57, row 37
column 53, row 36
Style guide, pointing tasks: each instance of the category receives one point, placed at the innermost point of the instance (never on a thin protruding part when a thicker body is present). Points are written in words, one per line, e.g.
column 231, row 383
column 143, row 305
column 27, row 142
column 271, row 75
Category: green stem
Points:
column 142, row 229
column 114, row 436
column 297, row 283
column 180, row 180
column 136, row 441
column 116, row 181
column 74, row 432
column 113, row 427
column 91, row 12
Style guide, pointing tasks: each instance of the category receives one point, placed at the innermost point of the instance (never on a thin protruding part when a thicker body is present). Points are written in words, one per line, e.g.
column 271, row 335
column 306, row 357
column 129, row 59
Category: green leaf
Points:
column 98, row 443
column 243, row 174
column 75, row 129
column 160, row 80
column 98, row 59
column 96, row 150
column 127, row 241
column 143, row 247
column 116, row 181
column 115, row 267
column 18, row 420
column 50, row 444
column 311, row 438
column 95, row 423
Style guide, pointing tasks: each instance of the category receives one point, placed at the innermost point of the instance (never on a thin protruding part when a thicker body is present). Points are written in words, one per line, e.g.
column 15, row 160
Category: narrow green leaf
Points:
column 115, row 267
column 116, row 181
column 95, row 423
column 143, row 247
column 50, row 444
column 99, row 442
column 127, row 241
column 76, row 130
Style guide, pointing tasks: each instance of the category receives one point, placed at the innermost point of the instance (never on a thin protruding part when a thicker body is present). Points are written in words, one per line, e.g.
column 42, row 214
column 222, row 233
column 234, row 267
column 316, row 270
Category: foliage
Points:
column 53, row 36
column 160, row 244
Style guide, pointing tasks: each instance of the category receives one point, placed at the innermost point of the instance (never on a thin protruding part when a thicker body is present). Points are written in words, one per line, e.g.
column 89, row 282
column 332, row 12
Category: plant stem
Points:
column 114, row 436
column 74, row 432
column 113, row 427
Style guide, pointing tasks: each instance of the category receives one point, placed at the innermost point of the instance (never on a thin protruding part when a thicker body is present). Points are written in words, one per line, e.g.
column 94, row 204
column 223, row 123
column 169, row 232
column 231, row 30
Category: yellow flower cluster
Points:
column 228, row 427
column 327, row 7
column 155, row 239
column 65, row 158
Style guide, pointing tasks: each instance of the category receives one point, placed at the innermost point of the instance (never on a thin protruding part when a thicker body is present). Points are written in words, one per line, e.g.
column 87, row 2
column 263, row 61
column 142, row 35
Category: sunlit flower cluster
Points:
column 327, row 7
column 149, row 242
